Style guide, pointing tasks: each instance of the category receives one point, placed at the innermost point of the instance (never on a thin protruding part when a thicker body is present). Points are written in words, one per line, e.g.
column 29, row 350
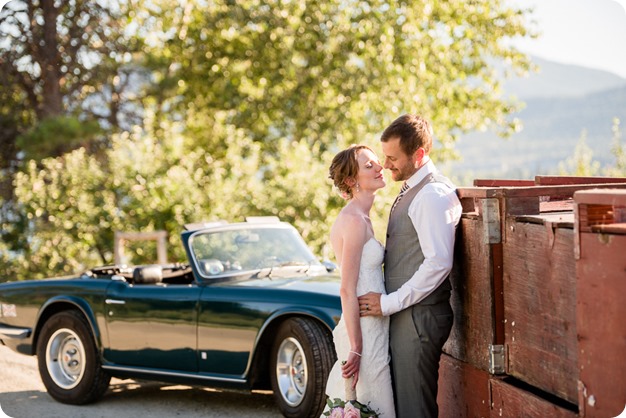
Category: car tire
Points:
column 302, row 356
column 68, row 360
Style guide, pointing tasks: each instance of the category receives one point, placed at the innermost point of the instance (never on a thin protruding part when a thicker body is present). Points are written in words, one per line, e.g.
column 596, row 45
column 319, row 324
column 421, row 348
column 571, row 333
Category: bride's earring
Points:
column 358, row 188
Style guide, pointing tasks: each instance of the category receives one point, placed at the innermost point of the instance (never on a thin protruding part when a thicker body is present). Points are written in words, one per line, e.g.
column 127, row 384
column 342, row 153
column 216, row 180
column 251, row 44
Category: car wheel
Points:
column 68, row 360
column 302, row 356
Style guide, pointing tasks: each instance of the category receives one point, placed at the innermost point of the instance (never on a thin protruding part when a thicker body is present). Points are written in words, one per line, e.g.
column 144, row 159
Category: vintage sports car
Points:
column 252, row 309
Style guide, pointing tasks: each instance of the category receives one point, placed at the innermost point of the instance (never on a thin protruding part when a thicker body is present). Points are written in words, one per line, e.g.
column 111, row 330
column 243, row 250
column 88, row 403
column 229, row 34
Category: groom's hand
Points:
column 369, row 304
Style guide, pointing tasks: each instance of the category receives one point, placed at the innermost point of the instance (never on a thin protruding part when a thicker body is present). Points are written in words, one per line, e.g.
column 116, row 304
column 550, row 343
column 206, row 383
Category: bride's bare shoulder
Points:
column 349, row 218
column 348, row 223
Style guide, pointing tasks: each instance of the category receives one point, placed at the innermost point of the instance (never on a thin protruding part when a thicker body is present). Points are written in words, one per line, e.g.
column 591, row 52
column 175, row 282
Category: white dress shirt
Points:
column 435, row 212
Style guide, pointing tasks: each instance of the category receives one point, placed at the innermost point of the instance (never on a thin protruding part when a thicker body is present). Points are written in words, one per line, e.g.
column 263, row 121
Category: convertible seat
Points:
column 152, row 274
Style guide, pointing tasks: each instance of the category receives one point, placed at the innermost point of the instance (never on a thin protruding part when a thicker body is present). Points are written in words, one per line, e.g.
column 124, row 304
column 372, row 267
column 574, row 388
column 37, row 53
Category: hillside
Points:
column 561, row 80
column 563, row 103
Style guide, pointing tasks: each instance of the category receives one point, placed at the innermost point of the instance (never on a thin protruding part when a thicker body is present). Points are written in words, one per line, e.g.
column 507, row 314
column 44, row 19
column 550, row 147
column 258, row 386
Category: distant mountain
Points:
column 564, row 118
column 561, row 80
column 563, row 103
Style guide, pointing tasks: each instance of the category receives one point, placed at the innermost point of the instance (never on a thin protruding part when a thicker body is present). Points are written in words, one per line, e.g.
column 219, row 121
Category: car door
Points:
column 229, row 321
column 230, row 260
column 152, row 325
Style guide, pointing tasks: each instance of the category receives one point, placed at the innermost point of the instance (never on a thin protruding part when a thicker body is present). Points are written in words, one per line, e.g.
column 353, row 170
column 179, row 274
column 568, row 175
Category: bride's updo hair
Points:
column 344, row 167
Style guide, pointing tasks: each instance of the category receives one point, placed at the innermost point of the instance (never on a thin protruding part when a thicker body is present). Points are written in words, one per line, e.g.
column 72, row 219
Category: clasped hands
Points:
column 369, row 304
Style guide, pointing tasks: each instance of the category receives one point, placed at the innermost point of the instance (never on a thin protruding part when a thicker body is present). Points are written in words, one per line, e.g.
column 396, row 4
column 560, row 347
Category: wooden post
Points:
column 159, row 236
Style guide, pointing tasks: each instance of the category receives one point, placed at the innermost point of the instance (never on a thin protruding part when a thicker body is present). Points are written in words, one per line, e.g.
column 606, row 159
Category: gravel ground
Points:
column 22, row 395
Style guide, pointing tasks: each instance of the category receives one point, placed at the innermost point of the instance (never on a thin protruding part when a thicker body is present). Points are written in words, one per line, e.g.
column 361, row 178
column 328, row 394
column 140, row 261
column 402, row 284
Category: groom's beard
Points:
column 402, row 173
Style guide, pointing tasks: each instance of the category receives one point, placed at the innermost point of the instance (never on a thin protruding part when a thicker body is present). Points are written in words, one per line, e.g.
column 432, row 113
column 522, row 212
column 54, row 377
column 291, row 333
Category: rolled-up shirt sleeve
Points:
column 435, row 213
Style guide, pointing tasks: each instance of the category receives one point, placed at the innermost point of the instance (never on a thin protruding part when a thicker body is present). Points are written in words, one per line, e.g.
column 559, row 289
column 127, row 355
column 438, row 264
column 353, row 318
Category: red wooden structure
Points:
column 539, row 275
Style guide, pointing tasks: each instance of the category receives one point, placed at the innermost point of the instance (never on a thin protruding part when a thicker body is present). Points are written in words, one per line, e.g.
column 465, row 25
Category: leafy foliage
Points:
column 619, row 151
column 74, row 204
column 56, row 136
column 336, row 71
column 69, row 63
column 581, row 163
column 247, row 102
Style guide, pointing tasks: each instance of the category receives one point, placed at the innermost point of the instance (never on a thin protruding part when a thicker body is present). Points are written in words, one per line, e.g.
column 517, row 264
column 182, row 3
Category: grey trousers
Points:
column 417, row 335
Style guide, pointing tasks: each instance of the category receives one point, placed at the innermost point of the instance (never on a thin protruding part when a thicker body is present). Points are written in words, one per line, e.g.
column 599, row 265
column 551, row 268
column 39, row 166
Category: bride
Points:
column 362, row 344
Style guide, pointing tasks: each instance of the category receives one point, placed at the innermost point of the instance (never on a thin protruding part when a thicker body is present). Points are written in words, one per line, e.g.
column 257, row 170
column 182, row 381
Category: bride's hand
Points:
column 351, row 367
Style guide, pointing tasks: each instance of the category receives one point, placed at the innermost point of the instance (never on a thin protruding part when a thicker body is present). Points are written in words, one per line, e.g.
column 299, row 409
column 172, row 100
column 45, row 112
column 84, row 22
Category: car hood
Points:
column 325, row 284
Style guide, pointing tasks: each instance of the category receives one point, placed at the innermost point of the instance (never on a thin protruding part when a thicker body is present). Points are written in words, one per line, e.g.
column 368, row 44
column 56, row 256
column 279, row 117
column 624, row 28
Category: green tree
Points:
column 69, row 62
column 73, row 204
column 249, row 102
column 65, row 72
column 305, row 79
column 581, row 163
column 333, row 72
column 619, row 151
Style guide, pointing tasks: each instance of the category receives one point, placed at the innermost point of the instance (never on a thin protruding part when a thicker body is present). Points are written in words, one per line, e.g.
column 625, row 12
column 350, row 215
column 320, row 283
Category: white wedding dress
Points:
column 374, row 385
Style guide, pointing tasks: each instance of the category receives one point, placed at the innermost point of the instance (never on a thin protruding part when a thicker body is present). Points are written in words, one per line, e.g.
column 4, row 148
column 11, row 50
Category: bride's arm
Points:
column 353, row 233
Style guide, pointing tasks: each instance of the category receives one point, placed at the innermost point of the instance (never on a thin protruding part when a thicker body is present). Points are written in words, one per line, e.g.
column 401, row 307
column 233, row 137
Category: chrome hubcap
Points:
column 291, row 371
column 65, row 358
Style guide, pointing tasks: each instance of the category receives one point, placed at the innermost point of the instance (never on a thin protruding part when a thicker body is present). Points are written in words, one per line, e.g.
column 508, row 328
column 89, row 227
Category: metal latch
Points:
column 496, row 359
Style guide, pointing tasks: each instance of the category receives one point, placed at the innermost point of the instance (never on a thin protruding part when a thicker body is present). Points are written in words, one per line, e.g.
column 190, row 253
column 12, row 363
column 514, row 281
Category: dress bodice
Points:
column 370, row 271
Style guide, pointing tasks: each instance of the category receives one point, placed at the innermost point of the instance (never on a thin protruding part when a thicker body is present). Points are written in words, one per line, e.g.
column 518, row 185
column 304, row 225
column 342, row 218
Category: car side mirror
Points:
column 330, row 266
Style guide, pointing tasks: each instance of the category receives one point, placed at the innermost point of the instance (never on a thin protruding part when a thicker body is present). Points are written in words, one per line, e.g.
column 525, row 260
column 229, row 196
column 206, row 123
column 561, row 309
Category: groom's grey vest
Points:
column 403, row 252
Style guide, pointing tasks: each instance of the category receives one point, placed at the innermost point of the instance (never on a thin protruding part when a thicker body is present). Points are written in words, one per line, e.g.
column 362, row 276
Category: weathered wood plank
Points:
column 472, row 296
column 601, row 310
column 503, row 182
column 598, row 210
column 514, row 402
column 558, row 219
column 563, row 191
column 463, row 390
column 540, row 307
column 613, row 197
column 561, row 180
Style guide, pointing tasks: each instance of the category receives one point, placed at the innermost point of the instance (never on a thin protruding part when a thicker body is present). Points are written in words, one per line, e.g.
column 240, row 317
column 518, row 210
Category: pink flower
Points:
column 350, row 411
column 336, row 412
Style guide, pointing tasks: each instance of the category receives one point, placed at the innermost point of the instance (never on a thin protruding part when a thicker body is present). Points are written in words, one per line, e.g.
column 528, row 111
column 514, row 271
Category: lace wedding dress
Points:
column 374, row 385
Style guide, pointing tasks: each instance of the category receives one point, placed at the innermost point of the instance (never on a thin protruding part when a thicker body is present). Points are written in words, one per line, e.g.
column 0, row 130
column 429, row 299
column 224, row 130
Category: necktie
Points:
column 403, row 189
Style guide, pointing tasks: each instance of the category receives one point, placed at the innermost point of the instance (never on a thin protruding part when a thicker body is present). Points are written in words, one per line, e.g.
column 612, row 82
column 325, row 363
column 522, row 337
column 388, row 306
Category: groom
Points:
column 418, row 260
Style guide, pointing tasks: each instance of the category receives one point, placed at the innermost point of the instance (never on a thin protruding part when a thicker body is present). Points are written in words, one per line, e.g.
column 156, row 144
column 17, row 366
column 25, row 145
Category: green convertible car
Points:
column 252, row 309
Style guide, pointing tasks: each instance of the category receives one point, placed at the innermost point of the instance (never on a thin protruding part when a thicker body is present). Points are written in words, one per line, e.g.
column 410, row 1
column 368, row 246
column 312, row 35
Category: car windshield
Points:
column 234, row 251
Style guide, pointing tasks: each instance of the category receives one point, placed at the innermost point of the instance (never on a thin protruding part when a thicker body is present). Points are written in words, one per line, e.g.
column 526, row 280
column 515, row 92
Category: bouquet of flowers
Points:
column 349, row 408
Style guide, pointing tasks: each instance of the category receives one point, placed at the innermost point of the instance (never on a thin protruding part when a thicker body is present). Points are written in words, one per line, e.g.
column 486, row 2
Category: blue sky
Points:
column 590, row 33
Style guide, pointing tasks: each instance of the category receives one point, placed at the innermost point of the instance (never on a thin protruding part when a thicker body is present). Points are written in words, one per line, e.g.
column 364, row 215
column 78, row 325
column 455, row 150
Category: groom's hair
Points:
column 414, row 132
